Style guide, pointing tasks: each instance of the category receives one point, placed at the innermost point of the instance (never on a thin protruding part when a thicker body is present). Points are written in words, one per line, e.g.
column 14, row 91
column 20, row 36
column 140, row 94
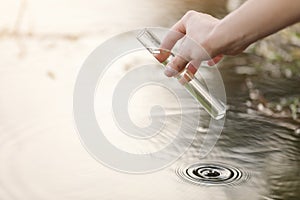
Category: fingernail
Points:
column 169, row 71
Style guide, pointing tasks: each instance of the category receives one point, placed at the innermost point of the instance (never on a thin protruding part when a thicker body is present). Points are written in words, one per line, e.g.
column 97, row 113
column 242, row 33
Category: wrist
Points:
column 214, row 43
column 228, row 38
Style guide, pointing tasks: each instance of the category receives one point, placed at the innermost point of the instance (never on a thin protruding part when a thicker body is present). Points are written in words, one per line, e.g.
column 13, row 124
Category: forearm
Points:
column 254, row 20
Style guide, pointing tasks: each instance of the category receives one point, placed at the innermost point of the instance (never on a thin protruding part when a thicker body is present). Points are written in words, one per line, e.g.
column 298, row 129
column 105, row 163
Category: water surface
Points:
column 40, row 153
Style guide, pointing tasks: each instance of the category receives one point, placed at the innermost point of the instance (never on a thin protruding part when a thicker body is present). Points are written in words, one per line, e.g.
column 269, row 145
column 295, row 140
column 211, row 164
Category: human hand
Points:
column 197, row 28
column 229, row 36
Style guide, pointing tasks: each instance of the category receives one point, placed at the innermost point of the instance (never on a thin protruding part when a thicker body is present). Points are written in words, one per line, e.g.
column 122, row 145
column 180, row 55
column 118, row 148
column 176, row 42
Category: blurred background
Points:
column 44, row 43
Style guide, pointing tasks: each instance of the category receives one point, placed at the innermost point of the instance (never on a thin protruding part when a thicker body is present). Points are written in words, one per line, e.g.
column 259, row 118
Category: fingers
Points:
column 188, row 75
column 191, row 52
column 190, row 58
column 177, row 64
column 163, row 55
column 215, row 60
column 191, row 69
column 176, row 32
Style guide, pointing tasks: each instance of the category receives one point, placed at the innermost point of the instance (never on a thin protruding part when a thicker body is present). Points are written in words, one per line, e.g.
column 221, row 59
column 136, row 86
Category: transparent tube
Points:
column 213, row 106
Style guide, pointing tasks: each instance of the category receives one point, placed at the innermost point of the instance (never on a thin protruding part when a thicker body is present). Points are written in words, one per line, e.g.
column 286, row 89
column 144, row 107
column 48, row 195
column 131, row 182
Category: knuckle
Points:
column 189, row 14
column 179, row 63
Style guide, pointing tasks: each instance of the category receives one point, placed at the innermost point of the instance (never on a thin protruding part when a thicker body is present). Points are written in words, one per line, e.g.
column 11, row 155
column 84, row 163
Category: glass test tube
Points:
column 213, row 106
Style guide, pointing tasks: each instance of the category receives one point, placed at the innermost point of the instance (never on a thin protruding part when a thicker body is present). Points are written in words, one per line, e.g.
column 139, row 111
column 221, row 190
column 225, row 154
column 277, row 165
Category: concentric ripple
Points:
column 211, row 174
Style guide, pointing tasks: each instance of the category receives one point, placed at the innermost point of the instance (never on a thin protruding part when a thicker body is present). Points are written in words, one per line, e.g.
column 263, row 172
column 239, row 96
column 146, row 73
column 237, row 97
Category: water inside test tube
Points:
column 197, row 89
column 213, row 106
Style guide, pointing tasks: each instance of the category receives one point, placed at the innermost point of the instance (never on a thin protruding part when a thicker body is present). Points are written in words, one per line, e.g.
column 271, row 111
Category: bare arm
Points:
column 232, row 34
column 251, row 22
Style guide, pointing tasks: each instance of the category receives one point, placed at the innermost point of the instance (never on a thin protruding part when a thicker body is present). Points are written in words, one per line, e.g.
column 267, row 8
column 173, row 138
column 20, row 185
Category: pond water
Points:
column 40, row 152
